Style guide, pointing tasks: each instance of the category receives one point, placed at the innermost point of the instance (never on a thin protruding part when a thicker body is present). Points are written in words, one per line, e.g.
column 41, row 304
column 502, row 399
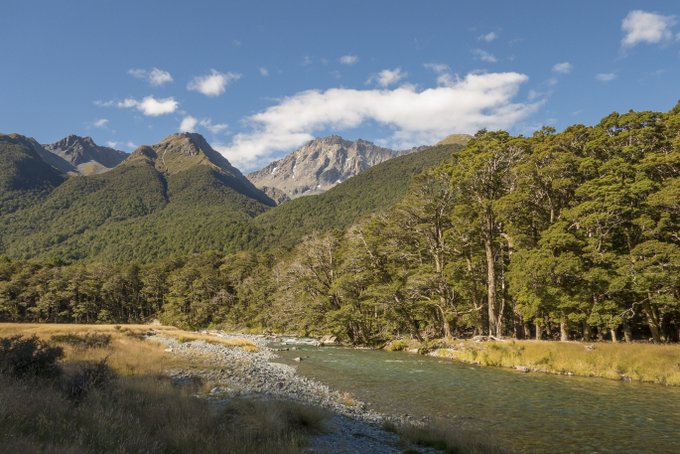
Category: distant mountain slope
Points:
column 176, row 197
column 319, row 165
column 377, row 188
column 455, row 139
column 180, row 152
column 82, row 155
column 25, row 178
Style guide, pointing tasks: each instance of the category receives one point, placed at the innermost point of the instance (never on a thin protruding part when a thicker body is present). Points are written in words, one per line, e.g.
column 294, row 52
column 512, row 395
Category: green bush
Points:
column 30, row 356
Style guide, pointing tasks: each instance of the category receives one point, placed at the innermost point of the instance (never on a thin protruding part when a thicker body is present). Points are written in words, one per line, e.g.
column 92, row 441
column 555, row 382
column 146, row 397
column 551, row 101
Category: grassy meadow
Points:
column 640, row 362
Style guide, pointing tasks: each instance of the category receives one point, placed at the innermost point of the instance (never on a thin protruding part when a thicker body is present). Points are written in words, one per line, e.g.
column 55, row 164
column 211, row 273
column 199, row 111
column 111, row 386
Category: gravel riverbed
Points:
column 235, row 372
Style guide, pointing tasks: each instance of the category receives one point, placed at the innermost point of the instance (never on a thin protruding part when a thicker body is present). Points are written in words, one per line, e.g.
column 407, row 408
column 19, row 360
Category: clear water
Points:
column 522, row 412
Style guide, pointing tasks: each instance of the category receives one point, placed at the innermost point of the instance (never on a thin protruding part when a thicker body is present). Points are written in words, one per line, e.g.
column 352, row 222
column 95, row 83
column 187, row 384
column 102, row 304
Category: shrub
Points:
column 92, row 340
column 30, row 356
column 88, row 377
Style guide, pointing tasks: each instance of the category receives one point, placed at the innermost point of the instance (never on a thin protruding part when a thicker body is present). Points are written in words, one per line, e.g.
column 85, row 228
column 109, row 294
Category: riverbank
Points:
column 637, row 362
column 163, row 389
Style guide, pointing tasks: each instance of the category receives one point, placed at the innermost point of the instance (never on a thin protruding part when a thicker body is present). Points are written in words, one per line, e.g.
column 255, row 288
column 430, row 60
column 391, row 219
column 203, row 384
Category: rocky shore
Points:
column 236, row 372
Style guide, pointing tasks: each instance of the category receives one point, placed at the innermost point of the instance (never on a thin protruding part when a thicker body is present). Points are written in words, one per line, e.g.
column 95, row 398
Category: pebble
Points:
column 354, row 428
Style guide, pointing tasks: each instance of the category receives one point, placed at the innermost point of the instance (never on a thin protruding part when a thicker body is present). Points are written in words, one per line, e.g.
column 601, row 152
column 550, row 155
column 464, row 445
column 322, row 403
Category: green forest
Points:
column 570, row 235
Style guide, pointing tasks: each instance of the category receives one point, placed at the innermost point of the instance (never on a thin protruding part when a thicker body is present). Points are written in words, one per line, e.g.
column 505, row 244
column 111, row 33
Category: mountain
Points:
column 319, row 165
column 25, row 178
column 455, row 139
column 176, row 197
column 83, row 156
column 375, row 189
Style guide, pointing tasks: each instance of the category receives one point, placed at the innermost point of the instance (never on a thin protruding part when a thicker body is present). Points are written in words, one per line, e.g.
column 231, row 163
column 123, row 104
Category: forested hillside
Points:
column 570, row 235
column 177, row 197
column 376, row 189
column 24, row 177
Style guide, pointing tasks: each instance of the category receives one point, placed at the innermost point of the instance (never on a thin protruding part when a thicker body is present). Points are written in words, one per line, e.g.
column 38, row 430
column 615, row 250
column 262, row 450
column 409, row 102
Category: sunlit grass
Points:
column 141, row 410
column 636, row 362
column 442, row 436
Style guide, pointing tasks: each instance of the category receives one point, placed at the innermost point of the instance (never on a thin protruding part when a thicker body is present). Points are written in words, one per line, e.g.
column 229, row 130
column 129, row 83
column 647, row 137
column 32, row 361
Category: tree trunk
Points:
column 446, row 327
column 613, row 333
column 491, row 287
column 627, row 331
column 564, row 331
column 586, row 331
column 539, row 330
column 527, row 330
column 652, row 322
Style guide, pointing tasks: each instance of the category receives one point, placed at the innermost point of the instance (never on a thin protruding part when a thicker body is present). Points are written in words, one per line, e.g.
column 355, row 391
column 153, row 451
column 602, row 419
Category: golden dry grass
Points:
column 140, row 410
column 442, row 436
column 127, row 354
column 650, row 363
column 183, row 336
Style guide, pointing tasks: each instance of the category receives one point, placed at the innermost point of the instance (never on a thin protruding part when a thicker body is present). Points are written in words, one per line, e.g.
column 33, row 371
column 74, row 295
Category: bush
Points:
column 92, row 340
column 23, row 357
column 88, row 377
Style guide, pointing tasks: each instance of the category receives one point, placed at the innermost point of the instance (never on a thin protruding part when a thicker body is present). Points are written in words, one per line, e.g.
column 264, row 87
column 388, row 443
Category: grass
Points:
column 440, row 435
column 183, row 337
column 135, row 408
column 650, row 363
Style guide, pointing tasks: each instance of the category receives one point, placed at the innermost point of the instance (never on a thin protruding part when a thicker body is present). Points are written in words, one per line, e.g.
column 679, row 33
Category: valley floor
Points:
column 246, row 401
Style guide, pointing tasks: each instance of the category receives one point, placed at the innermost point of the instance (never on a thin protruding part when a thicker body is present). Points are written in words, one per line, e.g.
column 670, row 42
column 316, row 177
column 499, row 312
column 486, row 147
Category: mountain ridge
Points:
column 81, row 155
column 319, row 165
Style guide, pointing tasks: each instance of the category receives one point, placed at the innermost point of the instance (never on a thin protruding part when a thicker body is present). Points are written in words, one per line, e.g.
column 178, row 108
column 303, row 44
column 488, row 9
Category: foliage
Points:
column 28, row 356
column 570, row 235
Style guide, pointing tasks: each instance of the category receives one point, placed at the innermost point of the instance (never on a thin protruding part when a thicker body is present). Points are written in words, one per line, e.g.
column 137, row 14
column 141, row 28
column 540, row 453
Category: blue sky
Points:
column 259, row 78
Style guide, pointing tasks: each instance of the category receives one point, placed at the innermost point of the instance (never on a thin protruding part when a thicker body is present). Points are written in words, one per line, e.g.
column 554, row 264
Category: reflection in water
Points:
column 527, row 412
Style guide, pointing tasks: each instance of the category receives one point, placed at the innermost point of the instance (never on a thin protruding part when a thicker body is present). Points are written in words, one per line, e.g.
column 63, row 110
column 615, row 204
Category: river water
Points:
column 522, row 412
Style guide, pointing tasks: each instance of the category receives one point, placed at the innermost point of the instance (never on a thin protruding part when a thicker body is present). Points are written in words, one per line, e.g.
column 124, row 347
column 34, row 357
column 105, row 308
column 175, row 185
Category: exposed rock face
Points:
column 83, row 155
column 321, row 164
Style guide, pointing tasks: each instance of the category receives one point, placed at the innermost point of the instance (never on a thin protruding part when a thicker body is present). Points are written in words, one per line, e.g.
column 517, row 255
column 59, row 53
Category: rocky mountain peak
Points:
column 319, row 165
column 85, row 155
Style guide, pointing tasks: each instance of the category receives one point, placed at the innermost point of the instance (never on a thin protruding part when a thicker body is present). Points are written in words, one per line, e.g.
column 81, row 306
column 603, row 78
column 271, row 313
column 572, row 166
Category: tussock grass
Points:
column 440, row 435
column 145, row 414
column 183, row 337
column 649, row 363
column 114, row 398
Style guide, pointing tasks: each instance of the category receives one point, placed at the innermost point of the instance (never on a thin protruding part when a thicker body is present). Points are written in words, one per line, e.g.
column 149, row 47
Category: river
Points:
column 522, row 412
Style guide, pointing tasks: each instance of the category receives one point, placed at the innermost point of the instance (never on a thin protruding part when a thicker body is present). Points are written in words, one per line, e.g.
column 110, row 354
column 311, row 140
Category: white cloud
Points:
column 563, row 68
column 387, row 77
column 188, row 124
column 264, row 72
column 605, row 77
column 644, row 27
column 443, row 72
column 156, row 77
column 416, row 116
column 153, row 107
column 214, row 128
column 100, row 123
column 349, row 60
column 149, row 106
column 212, row 84
column 488, row 37
column 126, row 103
column 484, row 56
column 118, row 145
